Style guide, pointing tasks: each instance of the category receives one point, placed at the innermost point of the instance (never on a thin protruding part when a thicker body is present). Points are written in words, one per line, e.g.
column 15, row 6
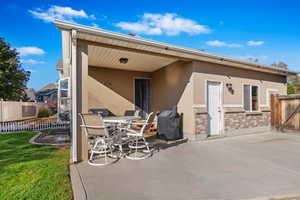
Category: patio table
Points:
column 120, row 119
column 117, row 122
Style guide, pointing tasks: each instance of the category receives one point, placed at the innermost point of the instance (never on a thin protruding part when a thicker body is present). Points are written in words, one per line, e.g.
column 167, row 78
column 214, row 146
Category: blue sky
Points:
column 266, row 30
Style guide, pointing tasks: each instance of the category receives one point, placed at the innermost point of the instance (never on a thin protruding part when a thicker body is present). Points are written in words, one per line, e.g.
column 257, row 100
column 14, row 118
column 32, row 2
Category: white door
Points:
column 214, row 107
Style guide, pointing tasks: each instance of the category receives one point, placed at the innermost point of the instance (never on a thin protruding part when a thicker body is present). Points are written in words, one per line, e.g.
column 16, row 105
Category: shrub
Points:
column 43, row 112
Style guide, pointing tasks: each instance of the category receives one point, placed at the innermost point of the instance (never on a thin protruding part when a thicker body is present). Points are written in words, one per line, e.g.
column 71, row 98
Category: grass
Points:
column 32, row 172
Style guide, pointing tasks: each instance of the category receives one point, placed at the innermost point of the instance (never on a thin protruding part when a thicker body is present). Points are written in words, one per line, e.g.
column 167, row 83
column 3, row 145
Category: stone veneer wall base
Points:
column 235, row 123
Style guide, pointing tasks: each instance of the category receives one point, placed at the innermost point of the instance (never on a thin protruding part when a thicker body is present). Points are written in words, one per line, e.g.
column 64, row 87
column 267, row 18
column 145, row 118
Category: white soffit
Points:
column 110, row 58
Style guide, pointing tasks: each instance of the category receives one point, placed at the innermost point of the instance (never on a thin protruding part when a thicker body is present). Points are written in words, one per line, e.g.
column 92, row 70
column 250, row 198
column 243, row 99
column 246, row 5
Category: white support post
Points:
column 73, row 85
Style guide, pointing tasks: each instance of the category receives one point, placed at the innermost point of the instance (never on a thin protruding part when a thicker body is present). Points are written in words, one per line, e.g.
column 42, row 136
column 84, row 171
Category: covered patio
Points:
column 120, row 76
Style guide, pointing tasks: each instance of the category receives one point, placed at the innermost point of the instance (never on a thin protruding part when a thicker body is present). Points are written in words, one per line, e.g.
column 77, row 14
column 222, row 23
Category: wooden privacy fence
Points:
column 32, row 125
column 285, row 112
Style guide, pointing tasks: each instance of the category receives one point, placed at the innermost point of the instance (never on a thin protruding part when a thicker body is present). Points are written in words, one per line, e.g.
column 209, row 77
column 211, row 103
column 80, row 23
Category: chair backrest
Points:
column 93, row 120
column 138, row 113
column 148, row 123
column 104, row 112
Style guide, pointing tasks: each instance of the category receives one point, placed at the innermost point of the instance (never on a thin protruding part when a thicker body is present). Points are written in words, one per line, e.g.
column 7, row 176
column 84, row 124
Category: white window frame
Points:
column 59, row 91
column 258, row 97
column 68, row 89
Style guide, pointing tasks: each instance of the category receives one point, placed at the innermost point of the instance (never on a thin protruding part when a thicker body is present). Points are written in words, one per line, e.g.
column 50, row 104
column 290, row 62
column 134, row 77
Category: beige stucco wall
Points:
column 237, row 77
column 181, row 84
column 112, row 89
column 172, row 86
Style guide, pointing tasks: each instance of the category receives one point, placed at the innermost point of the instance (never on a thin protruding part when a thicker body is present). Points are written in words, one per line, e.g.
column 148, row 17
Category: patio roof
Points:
column 112, row 44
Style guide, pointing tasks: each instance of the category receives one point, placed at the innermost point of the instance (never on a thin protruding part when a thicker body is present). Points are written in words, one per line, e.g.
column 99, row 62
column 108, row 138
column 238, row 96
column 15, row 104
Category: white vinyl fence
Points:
column 6, row 127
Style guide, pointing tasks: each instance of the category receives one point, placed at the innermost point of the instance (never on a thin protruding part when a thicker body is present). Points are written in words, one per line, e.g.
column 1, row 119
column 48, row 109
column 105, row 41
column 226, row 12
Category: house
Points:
column 46, row 93
column 29, row 94
column 48, row 96
column 217, row 95
column 63, row 103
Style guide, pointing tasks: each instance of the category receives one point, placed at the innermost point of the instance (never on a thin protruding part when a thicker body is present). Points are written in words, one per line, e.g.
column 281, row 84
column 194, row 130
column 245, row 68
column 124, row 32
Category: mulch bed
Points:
column 53, row 137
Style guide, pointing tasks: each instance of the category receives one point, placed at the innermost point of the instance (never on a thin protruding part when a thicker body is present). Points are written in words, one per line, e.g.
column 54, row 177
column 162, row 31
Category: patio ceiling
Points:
column 109, row 57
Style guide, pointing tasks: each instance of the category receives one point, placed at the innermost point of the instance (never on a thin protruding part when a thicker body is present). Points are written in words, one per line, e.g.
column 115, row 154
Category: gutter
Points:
column 100, row 32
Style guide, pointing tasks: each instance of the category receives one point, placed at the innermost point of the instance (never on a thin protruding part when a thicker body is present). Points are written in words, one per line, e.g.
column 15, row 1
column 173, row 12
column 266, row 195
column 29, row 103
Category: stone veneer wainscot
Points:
column 233, row 121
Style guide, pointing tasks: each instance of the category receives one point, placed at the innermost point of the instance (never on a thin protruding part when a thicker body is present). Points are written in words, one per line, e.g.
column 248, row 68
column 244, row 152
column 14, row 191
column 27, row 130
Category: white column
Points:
column 79, row 95
column 73, row 85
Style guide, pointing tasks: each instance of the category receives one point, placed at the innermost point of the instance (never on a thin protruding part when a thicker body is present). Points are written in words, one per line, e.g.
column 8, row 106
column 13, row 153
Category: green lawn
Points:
column 32, row 172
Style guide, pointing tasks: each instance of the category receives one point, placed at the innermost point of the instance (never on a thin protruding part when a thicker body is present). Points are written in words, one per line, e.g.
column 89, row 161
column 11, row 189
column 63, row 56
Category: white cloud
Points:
column 255, row 43
column 234, row 45
column 32, row 61
column 61, row 13
column 168, row 23
column 217, row 43
column 25, row 51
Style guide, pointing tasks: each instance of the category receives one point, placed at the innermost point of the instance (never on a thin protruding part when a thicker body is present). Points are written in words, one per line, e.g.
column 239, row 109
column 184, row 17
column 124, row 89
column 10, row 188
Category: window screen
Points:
column 247, row 103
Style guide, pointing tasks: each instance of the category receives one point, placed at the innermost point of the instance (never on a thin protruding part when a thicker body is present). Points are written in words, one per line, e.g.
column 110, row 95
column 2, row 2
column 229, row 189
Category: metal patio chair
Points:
column 135, row 113
column 99, row 139
column 138, row 147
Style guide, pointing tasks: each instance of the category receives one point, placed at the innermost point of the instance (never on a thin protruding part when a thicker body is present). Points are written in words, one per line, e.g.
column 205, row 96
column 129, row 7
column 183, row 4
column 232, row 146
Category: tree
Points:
column 13, row 77
column 290, row 88
column 295, row 82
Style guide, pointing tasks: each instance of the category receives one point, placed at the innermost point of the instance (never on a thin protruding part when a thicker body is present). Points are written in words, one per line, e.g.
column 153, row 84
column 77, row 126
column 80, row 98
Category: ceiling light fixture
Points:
column 123, row 60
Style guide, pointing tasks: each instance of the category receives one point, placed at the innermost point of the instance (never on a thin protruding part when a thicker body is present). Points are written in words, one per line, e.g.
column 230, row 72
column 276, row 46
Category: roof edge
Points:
column 101, row 32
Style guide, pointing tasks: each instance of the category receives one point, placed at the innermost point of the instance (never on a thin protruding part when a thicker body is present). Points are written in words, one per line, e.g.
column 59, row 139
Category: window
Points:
column 64, row 95
column 64, row 88
column 251, row 98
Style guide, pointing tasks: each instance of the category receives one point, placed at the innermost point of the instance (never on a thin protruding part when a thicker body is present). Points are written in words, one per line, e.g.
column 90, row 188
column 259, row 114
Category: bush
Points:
column 43, row 112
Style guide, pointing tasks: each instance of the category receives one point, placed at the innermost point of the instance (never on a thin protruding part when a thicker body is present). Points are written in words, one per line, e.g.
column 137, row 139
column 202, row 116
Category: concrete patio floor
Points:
column 257, row 166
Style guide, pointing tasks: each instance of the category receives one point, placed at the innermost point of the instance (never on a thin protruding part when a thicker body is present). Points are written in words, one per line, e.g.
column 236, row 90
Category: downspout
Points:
column 74, row 121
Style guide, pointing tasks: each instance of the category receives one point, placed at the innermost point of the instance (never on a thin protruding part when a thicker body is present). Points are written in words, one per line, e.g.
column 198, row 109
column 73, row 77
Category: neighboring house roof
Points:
column 47, row 90
column 180, row 51
column 50, row 86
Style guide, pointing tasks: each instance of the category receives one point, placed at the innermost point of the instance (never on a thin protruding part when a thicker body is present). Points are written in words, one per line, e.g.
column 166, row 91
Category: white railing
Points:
column 33, row 125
